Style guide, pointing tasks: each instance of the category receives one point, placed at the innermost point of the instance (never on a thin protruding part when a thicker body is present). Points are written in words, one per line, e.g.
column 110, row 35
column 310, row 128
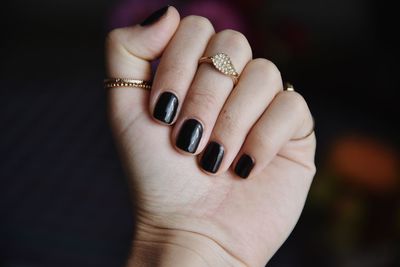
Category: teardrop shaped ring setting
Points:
column 223, row 64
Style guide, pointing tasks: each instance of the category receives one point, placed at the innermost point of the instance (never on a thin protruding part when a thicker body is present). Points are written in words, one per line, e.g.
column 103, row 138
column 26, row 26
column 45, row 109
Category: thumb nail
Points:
column 155, row 16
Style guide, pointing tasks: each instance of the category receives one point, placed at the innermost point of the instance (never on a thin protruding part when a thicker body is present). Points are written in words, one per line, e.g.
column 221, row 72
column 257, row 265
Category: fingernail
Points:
column 155, row 16
column 212, row 157
column 244, row 166
column 165, row 109
column 189, row 136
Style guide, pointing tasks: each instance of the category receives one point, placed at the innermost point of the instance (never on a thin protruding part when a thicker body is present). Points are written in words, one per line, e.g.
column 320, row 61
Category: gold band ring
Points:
column 290, row 88
column 307, row 135
column 223, row 64
column 122, row 82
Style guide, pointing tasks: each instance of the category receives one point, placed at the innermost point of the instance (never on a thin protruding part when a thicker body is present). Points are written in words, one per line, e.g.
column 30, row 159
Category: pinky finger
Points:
column 287, row 118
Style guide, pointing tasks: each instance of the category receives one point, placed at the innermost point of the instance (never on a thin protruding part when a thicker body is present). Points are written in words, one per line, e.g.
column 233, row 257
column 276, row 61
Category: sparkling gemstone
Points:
column 223, row 63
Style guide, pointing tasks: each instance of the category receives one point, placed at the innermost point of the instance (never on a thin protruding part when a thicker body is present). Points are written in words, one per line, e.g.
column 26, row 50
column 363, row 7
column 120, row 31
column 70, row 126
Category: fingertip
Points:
column 211, row 158
column 156, row 31
column 166, row 24
column 164, row 13
column 243, row 167
column 187, row 135
column 174, row 13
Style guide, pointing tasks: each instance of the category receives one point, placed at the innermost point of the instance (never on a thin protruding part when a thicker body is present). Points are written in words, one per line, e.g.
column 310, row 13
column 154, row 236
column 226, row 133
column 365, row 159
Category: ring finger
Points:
column 208, row 92
column 259, row 83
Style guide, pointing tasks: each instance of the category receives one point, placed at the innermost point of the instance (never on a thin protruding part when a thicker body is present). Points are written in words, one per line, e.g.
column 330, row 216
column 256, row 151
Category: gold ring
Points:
column 307, row 135
column 290, row 88
column 123, row 82
column 223, row 64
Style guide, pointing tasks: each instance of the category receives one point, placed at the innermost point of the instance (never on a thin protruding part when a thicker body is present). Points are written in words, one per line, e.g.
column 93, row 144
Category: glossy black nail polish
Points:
column 244, row 166
column 190, row 135
column 165, row 109
column 155, row 16
column 212, row 157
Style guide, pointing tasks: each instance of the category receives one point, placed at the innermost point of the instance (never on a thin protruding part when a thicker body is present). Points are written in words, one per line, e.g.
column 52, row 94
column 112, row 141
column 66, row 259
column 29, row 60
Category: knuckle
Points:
column 268, row 68
column 295, row 101
column 176, row 72
column 266, row 71
column 202, row 99
column 232, row 35
column 228, row 123
column 171, row 74
column 262, row 141
column 114, row 37
column 198, row 23
column 234, row 38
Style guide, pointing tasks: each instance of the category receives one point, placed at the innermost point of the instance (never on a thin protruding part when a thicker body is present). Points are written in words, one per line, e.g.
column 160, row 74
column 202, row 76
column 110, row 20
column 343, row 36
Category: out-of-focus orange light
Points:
column 365, row 162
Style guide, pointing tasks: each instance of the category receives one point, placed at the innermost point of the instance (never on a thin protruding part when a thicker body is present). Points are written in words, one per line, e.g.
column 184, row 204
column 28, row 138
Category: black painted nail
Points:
column 212, row 157
column 244, row 166
column 155, row 16
column 189, row 136
column 165, row 109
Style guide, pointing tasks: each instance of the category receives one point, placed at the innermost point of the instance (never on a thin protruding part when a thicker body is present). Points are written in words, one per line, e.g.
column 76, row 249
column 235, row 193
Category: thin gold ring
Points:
column 126, row 82
column 290, row 88
column 223, row 64
column 307, row 135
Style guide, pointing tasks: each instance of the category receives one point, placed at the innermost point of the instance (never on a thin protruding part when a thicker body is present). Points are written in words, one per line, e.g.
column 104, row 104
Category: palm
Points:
column 172, row 186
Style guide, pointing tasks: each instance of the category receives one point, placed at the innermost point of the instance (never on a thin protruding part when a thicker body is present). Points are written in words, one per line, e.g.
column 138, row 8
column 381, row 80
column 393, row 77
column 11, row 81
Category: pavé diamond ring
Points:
column 223, row 64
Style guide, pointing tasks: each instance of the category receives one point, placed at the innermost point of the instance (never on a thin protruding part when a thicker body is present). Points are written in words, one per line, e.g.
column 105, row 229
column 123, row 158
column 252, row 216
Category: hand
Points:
column 191, row 208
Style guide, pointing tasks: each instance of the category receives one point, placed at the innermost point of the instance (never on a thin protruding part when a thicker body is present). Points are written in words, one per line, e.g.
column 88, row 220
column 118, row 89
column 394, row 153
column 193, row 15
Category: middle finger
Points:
column 208, row 92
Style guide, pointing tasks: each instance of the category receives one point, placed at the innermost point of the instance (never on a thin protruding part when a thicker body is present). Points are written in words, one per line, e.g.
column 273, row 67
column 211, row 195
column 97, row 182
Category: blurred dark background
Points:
column 63, row 196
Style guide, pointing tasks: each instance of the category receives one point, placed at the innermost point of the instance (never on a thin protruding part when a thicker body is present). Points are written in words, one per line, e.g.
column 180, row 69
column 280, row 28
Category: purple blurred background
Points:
column 63, row 197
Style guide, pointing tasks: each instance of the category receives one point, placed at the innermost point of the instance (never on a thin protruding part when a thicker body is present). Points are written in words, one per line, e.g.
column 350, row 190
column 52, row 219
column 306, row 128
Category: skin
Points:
column 186, row 216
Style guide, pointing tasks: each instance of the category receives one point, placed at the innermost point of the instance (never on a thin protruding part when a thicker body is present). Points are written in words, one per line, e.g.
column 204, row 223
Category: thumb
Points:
column 128, row 54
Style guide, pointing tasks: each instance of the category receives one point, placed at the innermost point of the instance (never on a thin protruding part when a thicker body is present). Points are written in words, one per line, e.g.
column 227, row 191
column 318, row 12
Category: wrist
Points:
column 169, row 247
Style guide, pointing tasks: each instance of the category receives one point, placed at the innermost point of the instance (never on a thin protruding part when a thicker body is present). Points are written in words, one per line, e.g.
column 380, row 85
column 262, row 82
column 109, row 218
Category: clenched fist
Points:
column 188, row 143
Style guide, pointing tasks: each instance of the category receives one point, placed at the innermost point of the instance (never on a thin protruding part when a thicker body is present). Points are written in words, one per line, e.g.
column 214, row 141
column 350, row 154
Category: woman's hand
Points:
column 188, row 144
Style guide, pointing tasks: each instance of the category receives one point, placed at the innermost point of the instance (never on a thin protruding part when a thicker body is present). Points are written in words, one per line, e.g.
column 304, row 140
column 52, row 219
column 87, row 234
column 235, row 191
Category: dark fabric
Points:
column 63, row 197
